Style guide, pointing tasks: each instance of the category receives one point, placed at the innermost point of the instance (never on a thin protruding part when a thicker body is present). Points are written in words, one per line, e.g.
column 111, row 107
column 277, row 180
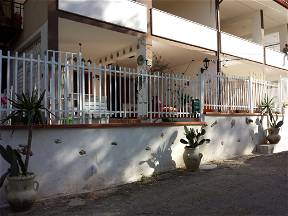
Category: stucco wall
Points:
column 202, row 12
column 119, row 155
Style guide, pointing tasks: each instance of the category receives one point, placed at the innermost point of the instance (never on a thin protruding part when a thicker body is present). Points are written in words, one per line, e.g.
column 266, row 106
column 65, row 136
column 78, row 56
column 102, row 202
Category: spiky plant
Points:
column 194, row 137
column 266, row 108
column 28, row 109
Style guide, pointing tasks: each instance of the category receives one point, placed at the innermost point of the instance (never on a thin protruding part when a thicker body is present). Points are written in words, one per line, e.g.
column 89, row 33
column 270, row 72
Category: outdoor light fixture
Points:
column 206, row 63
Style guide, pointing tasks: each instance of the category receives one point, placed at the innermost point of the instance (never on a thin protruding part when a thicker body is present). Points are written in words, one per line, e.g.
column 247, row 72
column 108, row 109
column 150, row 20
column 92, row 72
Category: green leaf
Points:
column 4, row 154
column 20, row 162
column 3, row 177
column 183, row 141
column 279, row 124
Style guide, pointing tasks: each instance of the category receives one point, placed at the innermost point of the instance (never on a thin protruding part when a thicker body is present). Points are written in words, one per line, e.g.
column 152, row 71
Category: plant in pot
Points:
column 191, row 156
column 266, row 107
column 21, row 187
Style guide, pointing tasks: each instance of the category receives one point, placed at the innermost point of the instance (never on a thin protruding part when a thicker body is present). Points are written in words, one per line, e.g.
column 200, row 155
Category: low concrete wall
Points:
column 73, row 160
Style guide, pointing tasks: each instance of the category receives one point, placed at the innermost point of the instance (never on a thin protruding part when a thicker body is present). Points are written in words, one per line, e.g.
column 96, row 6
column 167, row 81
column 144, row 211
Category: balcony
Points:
column 275, row 59
column 175, row 28
column 11, row 20
column 242, row 48
column 125, row 13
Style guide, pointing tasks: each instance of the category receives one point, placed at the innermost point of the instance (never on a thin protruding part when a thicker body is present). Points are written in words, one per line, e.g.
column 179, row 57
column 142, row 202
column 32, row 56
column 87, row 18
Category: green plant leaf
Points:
column 3, row 177
column 20, row 162
column 183, row 141
column 279, row 124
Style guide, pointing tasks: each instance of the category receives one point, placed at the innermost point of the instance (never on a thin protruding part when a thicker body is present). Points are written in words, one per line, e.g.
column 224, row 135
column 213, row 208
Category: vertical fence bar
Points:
column 120, row 92
column 105, row 91
column 82, row 84
column 125, row 99
column 31, row 75
column 134, row 93
column 115, row 92
column 23, row 73
column 45, row 83
column 8, row 93
column 89, row 93
column 110, row 90
column 129, row 92
column 52, row 84
column 15, row 74
column 100, row 92
column 38, row 84
column 59, row 87
column 250, row 105
column 66, row 85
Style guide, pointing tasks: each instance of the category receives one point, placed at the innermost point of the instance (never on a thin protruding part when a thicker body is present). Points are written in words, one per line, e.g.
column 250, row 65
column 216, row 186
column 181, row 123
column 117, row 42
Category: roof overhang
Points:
column 284, row 3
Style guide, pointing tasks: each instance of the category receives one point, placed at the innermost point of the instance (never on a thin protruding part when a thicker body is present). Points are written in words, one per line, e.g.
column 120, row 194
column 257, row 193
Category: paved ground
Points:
column 250, row 185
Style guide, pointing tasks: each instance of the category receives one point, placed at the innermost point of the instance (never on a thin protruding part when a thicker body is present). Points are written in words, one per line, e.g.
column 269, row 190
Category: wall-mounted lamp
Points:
column 206, row 65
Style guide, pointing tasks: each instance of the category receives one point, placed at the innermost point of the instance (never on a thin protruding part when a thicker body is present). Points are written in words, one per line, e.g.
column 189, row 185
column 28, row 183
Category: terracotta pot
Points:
column 273, row 136
column 192, row 159
column 21, row 192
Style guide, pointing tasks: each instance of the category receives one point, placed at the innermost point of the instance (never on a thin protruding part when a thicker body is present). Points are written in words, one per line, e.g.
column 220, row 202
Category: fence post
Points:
column 202, row 93
column 250, row 89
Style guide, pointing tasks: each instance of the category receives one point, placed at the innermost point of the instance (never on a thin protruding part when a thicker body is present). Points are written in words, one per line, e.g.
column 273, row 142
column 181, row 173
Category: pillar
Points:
column 144, row 63
column 258, row 27
column 283, row 36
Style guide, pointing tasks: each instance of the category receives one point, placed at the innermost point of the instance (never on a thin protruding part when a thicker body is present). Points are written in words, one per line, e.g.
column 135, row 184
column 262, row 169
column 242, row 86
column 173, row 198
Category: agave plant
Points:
column 194, row 137
column 266, row 108
column 13, row 157
column 28, row 109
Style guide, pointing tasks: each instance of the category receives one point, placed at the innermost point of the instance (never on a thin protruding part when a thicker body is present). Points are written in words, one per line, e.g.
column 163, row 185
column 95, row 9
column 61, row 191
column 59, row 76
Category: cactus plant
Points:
column 13, row 157
column 194, row 137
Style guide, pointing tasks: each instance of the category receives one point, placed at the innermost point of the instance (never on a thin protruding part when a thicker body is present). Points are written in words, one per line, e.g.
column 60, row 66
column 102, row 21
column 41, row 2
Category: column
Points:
column 258, row 27
column 144, row 63
column 283, row 36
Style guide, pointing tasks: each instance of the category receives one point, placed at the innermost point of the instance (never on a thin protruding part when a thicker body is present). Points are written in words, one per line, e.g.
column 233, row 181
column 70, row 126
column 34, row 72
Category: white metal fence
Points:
column 79, row 92
column 235, row 93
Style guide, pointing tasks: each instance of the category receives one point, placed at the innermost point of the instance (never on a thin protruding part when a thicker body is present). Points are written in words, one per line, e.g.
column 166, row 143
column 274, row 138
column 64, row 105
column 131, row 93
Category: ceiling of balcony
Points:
column 237, row 15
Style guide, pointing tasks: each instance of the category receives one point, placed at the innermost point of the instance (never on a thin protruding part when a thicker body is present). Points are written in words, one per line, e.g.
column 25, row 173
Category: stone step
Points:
column 265, row 148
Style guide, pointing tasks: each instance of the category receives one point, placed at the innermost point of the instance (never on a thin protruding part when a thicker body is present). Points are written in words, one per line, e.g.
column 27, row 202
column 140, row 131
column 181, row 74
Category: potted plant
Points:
column 21, row 187
column 191, row 156
column 266, row 106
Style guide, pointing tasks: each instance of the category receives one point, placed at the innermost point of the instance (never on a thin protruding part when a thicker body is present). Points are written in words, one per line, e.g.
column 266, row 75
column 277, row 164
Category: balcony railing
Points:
column 179, row 29
column 11, row 14
column 123, row 13
column 236, row 46
column 276, row 59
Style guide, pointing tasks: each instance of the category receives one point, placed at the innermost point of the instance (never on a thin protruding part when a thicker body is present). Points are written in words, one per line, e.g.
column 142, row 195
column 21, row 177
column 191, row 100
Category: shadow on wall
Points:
column 231, row 136
column 162, row 158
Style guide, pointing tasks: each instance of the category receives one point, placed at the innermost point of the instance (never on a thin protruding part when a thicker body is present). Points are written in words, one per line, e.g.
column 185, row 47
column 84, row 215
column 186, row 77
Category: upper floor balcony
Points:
column 11, row 20
column 123, row 13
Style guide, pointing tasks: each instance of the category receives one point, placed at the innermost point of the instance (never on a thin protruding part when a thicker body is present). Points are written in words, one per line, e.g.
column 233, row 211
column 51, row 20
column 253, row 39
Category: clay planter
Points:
column 21, row 192
column 192, row 159
column 273, row 136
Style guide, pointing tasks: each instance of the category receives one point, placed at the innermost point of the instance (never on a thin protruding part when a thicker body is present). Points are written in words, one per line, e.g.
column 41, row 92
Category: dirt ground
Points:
column 248, row 185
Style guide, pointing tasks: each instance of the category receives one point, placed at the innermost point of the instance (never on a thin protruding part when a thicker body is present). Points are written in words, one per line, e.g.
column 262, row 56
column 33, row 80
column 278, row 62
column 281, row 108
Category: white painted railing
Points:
column 121, row 12
column 236, row 46
column 179, row 29
column 276, row 59
column 81, row 92
column 234, row 93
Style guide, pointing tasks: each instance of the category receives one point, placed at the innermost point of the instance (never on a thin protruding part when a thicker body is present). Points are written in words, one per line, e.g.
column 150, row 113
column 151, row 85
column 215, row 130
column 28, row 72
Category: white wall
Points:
column 239, row 47
column 276, row 59
column 122, row 12
column 140, row 151
column 198, row 11
column 176, row 28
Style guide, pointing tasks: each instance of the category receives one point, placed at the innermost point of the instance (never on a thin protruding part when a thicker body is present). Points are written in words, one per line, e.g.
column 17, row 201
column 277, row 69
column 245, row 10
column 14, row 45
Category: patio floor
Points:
column 248, row 185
